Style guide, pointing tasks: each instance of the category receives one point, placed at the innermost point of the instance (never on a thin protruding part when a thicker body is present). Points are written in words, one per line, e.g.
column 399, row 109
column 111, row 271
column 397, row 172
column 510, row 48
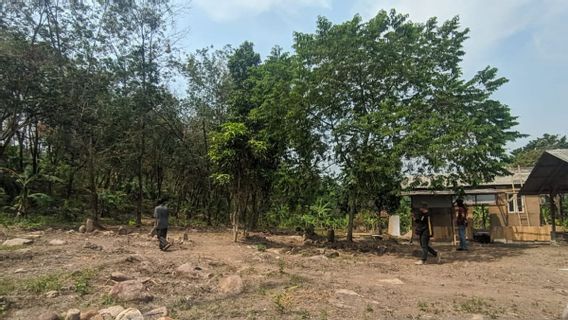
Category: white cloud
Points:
column 228, row 10
column 490, row 21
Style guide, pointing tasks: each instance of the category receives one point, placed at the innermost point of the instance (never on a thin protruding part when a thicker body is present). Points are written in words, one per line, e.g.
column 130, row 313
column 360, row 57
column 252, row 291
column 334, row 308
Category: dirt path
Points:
column 283, row 279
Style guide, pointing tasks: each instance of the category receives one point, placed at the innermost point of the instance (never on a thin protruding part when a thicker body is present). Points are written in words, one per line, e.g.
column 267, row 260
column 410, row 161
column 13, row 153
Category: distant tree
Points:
column 528, row 155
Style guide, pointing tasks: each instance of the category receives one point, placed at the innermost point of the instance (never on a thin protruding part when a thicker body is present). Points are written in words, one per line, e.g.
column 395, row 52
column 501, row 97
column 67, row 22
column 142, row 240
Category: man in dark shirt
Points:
column 461, row 221
column 161, row 215
column 424, row 231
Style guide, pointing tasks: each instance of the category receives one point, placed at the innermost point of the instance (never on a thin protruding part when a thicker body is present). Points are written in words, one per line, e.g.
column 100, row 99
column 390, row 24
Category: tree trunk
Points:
column 330, row 235
column 140, row 172
column 93, row 183
column 350, row 224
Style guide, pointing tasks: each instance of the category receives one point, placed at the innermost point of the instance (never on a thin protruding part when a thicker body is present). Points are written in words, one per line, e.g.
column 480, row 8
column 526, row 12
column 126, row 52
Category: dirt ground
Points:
column 283, row 277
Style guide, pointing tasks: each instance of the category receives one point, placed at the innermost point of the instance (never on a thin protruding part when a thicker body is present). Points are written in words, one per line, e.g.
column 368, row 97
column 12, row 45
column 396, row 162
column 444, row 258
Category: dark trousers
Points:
column 425, row 244
column 162, row 234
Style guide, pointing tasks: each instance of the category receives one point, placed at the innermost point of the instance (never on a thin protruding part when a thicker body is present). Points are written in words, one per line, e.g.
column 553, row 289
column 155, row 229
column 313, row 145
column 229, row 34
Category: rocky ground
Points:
column 57, row 274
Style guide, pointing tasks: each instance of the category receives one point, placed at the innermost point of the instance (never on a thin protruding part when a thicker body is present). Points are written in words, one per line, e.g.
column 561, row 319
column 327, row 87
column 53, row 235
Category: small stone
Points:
column 119, row 276
column 82, row 229
column 130, row 314
column 20, row 270
column 111, row 311
column 346, row 292
column 382, row 250
column 231, row 285
column 122, row 231
column 156, row 313
column 70, row 231
column 89, row 225
column 51, row 294
column 17, row 242
column 331, row 255
column 73, row 314
column 165, row 318
column 57, row 242
column 89, row 314
column 391, row 281
column 477, row 317
column 50, row 315
column 565, row 313
column 319, row 257
column 92, row 246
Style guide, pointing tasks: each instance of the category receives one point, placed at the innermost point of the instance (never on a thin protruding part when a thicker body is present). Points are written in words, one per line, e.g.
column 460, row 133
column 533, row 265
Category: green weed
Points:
column 43, row 284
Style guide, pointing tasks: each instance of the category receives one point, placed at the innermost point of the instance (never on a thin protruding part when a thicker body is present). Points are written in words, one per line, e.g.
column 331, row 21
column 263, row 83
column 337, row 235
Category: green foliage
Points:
column 43, row 284
column 309, row 137
column 529, row 154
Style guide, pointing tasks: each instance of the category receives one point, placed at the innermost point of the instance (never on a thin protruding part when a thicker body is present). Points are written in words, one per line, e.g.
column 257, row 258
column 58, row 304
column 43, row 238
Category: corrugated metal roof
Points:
column 550, row 174
column 559, row 153
column 517, row 177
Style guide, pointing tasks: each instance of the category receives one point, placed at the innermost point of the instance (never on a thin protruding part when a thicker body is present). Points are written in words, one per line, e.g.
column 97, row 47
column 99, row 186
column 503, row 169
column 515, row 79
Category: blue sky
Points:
column 524, row 39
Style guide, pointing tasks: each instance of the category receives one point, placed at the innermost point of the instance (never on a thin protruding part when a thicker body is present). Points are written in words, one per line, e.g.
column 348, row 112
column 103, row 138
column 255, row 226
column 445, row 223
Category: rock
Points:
column 57, row 242
column 318, row 257
column 17, row 242
column 51, row 294
column 82, row 229
column 89, row 225
column 190, row 271
column 20, row 270
column 565, row 313
column 71, row 231
column 99, row 317
column 391, row 281
column 111, row 311
column 89, row 314
column 122, row 231
column 346, row 292
column 165, row 318
column 108, row 233
column 381, row 250
column 130, row 290
column 331, row 255
column 231, row 285
column 73, row 314
column 130, row 314
column 119, row 276
column 156, row 313
column 92, row 246
column 477, row 317
column 50, row 315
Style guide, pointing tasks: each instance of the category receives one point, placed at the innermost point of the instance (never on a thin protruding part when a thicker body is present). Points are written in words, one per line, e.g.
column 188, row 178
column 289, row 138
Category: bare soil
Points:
column 284, row 278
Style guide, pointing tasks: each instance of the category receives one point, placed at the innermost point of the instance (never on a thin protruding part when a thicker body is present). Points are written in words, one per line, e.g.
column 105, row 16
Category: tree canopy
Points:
column 328, row 130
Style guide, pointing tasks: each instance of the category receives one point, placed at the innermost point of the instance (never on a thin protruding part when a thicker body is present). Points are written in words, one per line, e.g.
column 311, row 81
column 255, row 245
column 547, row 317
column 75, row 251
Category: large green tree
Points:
column 391, row 97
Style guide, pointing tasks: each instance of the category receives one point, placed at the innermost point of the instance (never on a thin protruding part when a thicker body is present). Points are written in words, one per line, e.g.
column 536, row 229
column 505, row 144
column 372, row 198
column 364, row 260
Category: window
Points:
column 515, row 203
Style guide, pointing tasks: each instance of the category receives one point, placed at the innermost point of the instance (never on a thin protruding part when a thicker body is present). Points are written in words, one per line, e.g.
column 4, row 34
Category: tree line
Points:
column 89, row 119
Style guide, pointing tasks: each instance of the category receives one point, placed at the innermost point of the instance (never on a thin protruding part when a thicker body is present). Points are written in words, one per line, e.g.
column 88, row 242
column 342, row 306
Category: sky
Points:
column 525, row 39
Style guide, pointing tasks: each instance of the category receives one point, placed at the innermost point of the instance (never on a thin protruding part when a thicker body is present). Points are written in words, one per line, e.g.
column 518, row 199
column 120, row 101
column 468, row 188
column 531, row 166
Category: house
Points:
column 550, row 177
column 507, row 215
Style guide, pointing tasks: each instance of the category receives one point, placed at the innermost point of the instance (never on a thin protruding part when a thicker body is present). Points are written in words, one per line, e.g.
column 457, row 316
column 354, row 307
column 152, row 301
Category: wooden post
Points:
column 553, row 217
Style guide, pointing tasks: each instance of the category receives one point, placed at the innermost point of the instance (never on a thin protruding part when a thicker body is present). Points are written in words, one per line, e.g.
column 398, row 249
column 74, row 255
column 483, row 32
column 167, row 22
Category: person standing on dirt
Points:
column 461, row 221
column 425, row 232
column 161, row 214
